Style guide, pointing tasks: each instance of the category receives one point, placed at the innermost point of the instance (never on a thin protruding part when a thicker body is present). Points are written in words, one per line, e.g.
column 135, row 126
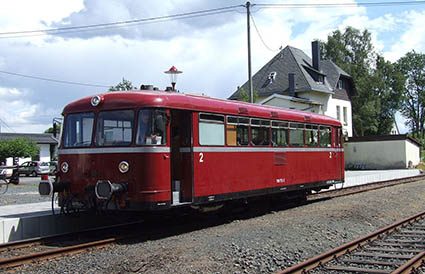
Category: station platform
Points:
column 32, row 220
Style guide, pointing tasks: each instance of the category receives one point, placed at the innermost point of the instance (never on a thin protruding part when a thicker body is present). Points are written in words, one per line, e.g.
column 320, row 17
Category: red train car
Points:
column 149, row 150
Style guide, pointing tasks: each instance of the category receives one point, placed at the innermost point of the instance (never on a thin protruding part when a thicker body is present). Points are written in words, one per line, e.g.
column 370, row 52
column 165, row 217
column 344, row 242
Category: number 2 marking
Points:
column 201, row 157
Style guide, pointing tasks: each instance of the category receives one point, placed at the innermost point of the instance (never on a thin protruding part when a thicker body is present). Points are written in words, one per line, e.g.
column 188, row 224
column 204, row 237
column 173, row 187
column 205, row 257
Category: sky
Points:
column 210, row 50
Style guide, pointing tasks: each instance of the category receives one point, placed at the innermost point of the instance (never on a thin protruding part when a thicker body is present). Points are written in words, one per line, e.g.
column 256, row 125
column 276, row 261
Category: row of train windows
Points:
column 236, row 132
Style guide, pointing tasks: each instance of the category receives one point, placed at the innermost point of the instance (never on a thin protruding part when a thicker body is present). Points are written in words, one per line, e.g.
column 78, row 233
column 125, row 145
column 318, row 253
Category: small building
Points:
column 293, row 80
column 45, row 141
column 382, row 152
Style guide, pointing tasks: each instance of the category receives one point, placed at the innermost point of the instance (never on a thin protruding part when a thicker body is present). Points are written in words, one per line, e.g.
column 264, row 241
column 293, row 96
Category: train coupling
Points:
column 105, row 189
column 47, row 188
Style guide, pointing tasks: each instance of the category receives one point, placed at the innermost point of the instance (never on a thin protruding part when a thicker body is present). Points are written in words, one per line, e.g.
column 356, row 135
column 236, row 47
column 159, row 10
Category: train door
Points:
column 181, row 157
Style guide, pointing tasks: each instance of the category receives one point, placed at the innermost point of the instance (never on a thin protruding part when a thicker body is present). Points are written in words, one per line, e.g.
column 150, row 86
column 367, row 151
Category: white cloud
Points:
column 412, row 38
column 212, row 51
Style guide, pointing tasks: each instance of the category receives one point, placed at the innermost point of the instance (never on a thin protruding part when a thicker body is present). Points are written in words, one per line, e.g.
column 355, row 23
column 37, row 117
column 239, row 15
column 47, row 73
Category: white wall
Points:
column 44, row 152
column 331, row 111
column 44, row 155
column 412, row 153
column 380, row 154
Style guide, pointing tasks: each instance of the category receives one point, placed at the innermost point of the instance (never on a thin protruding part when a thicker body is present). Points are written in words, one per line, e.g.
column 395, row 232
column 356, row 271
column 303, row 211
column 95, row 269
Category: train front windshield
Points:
column 116, row 128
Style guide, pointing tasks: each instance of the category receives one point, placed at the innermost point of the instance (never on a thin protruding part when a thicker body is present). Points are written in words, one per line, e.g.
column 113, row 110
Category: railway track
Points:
column 18, row 253
column 27, row 251
column 363, row 188
column 397, row 248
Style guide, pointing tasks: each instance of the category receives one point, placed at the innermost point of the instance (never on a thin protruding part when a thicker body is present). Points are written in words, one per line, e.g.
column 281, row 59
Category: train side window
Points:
column 279, row 133
column 296, row 134
column 243, row 131
column 211, row 129
column 311, row 135
column 325, row 136
column 237, row 131
column 260, row 132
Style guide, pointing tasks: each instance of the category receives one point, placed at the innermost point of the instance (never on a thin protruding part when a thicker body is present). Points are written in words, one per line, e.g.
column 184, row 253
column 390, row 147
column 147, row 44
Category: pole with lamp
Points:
column 173, row 72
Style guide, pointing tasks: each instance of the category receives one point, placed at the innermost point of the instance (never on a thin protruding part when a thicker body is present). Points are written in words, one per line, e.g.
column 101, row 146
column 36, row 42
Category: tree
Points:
column 412, row 65
column 123, row 85
column 378, row 82
column 50, row 129
column 246, row 97
column 18, row 147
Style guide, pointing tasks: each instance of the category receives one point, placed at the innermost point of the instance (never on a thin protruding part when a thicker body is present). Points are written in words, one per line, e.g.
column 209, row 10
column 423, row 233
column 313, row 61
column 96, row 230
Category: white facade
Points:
column 317, row 102
column 384, row 154
column 44, row 155
column 345, row 114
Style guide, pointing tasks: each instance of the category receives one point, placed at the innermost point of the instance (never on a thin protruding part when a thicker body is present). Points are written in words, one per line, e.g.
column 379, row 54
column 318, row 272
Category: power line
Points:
column 54, row 80
column 102, row 26
column 261, row 38
column 338, row 5
column 1, row 120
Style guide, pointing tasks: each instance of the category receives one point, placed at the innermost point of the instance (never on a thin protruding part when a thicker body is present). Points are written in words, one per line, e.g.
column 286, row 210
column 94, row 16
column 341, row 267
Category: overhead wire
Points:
column 1, row 120
column 54, row 80
column 337, row 5
column 119, row 24
column 261, row 38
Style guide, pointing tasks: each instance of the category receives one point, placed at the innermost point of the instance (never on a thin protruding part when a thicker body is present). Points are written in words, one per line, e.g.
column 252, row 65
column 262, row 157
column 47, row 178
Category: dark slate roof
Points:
column 293, row 60
column 39, row 138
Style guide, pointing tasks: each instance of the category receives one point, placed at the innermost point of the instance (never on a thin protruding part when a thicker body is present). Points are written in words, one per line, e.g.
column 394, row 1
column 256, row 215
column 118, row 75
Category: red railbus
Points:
column 150, row 150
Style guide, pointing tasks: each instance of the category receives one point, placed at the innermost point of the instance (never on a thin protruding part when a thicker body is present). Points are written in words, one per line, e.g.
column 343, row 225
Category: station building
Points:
column 46, row 143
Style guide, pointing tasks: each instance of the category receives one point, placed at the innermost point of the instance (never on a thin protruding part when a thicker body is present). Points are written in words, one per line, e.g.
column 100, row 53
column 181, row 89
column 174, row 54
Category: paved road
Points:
column 23, row 180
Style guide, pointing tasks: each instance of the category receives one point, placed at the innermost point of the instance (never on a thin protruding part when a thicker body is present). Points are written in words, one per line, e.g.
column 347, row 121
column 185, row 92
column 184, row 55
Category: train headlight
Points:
column 64, row 167
column 96, row 100
column 123, row 167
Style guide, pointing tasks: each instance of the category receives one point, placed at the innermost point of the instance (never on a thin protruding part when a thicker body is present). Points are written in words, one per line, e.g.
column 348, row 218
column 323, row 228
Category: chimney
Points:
column 315, row 54
column 291, row 80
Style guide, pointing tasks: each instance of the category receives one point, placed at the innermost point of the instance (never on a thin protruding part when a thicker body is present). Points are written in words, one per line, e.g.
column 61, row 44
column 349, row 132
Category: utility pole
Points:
column 248, row 15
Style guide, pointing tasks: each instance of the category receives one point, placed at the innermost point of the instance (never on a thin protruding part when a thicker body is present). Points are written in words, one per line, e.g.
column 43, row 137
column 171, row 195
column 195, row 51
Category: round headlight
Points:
column 96, row 100
column 123, row 167
column 64, row 167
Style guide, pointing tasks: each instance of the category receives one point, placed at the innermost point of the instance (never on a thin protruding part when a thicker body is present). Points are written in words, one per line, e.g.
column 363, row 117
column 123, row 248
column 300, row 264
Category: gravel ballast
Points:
column 267, row 243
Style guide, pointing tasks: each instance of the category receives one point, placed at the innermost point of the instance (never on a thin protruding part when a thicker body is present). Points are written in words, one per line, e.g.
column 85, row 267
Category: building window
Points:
column 344, row 112
column 338, row 113
column 340, row 84
column 321, row 79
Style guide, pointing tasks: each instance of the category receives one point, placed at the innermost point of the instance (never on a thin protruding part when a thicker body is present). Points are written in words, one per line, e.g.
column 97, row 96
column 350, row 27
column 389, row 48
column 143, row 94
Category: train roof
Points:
column 175, row 100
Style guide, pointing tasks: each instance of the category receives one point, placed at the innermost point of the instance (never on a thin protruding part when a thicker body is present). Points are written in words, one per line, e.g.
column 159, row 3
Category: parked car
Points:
column 33, row 168
column 53, row 167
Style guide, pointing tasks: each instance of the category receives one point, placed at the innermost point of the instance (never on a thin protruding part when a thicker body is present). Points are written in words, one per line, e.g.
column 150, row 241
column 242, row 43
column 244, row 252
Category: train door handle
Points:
column 166, row 156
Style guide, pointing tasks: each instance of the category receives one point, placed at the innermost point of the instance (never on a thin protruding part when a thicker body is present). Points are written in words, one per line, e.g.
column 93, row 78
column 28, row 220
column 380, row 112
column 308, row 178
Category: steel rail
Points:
column 44, row 255
column 77, row 248
column 367, row 187
column 411, row 265
column 348, row 247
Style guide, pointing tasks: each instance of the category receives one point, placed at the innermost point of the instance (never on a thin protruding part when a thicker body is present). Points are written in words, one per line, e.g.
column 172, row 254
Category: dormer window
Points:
column 321, row 79
column 272, row 76
column 340, row 84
